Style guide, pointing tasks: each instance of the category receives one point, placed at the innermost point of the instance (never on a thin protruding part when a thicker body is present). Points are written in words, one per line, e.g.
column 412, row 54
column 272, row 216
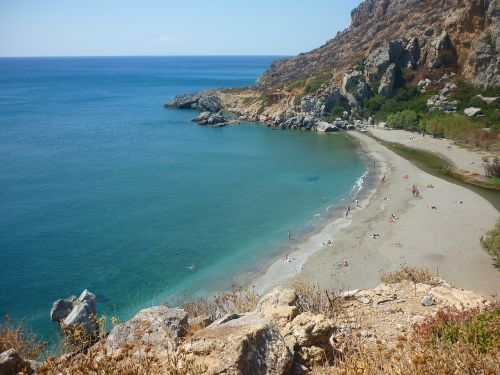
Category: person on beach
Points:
column 414, row 189
column 357, row 203
column 348, row 211
column 383, row 178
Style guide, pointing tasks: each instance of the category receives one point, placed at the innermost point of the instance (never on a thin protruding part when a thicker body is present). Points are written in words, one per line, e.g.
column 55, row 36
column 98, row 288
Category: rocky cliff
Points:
column 425, row 35
column 390, row 43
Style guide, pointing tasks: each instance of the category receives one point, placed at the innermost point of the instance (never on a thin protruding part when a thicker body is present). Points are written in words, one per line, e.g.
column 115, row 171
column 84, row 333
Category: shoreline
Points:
column 428, row 238
column 280, row 272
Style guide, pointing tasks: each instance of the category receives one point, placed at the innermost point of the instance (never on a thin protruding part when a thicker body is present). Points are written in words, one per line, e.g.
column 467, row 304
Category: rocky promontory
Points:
column 425, row 44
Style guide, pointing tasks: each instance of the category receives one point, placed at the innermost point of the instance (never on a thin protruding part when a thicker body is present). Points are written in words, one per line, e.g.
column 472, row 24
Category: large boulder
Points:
column 325, row 127
column 309, row 336
column 11, row 363
column 248, row 345
column 278, row 306
column 473, row 111
column 159, row 326
column 72, row 312
column 388, row 81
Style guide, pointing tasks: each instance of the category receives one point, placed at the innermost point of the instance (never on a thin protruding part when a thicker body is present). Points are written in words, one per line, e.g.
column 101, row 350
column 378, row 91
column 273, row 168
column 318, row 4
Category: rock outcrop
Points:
column 74, row 311
column 283, row 333
column 210, row 118
column 160, row 327
column 205, row 101
column 246, row 344
column 11, row 363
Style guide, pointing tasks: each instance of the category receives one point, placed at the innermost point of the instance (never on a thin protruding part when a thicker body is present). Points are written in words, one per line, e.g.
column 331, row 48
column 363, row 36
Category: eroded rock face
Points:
column 379, row 60
column 468, row 29
column 247, row 345
column 388, row 81
column 159, row 326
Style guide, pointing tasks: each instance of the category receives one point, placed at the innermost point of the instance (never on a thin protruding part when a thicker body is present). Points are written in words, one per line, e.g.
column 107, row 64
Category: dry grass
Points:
column 407, row 273
column 313, row 299
column 15, row 335
column 238, row 301
column 454, row 341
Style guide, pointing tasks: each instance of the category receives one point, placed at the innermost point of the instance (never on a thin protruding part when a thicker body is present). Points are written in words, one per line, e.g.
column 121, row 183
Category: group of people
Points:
column 393, row 218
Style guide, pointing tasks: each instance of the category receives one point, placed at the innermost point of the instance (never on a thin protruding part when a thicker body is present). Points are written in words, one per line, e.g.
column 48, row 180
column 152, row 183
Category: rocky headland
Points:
column 421, row 43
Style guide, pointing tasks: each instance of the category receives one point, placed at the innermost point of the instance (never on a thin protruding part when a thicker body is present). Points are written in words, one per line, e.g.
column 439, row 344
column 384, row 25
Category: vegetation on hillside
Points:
column 408, row 110
column 310, row 85
column 453, row 341
column 492, row 243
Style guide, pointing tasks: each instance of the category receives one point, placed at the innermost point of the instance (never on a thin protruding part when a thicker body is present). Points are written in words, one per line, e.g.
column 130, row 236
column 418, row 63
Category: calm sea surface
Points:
column 102, row 188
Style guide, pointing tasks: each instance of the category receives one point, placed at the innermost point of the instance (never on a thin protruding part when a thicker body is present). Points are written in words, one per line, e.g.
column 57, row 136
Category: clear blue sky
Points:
column 168, row 27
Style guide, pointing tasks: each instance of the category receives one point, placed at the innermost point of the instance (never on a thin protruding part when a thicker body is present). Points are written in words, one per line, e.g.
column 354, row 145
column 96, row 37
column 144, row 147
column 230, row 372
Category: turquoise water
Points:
column 103, row 188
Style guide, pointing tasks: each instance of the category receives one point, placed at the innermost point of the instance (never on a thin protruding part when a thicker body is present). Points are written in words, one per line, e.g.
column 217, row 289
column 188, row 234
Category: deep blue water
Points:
column 103, row 188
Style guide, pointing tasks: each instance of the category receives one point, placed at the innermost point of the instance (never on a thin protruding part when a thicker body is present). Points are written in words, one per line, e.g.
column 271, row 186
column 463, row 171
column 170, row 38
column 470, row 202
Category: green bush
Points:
column 403, row 120
column 492, row 243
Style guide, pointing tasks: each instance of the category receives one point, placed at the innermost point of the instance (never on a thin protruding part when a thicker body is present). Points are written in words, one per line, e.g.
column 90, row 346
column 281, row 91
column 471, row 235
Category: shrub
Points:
column 480, row 330
column 459, row 128
column 492, row 242
column 407, row 273
column 236, row 302
column 15, row 335
column 374, row 104
column 311, row 298
column 403, row 120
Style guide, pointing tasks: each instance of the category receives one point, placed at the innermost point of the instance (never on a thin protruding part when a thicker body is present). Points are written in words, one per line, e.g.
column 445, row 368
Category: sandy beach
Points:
column 444, row 239
column 461, row 158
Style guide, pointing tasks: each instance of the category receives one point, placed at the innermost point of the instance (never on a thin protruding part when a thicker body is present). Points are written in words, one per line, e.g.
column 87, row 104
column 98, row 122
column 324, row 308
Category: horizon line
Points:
column 193, row 55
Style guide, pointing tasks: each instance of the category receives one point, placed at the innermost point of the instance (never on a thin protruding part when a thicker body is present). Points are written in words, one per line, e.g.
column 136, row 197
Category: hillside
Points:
column 425, row 35
column 412, row 64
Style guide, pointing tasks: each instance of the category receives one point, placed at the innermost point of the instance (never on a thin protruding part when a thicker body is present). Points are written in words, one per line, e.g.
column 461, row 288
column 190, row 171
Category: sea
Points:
column 103, row 188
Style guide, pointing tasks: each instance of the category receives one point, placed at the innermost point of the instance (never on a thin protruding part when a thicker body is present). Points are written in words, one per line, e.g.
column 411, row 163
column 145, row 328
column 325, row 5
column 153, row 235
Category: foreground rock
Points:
column 280, row 335
column 247, row 344
column 11, row 363
column 72, row 312
column 160, row 327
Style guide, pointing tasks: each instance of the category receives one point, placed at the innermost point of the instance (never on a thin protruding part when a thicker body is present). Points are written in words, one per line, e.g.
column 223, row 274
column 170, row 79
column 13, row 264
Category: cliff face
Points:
column 460, row 33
